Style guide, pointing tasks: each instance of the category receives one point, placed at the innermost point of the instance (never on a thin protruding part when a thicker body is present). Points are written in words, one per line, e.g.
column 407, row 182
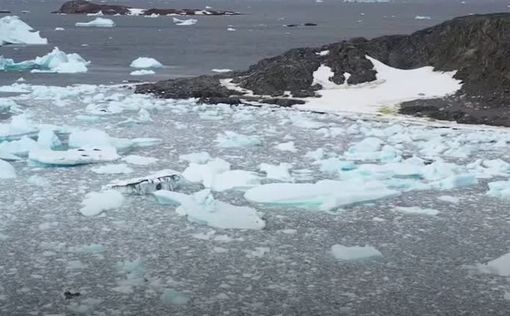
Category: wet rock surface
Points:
column 475, row 46
column 86, row 7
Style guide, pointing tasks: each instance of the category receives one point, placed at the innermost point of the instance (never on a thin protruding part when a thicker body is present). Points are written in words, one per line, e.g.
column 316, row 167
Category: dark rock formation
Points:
column 86, row 7
column 476, row 46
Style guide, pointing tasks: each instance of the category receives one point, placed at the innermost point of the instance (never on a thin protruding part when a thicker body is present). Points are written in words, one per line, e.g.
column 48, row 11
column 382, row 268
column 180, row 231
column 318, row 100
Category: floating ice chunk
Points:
column 112, row 169
column 231, row 139
column 259, row 252
column 300, row 120
column 421, row 17
column 499, row 266
column 20, row 125
column 457, row 181
column 139, row 160
column 38, row 181
column 19, row 147
column 97, row 22
column 335, row 165
column 182, row 22
column 289, row 146
column 97, row 202
column 59, row 29
column 47, row 139
column 166, row 179
column 277, row 172
column 145, row 62
column 201, row 207
column 14, row 31
column 370, row 148
column 449, row 199
column 341, row 252
column 203, row 173
column 134, row 272
column 199, row 157
column 95, row 137
column 7, row 171
column 172, row 297
column 8, row 156
column 54, row 62
column 233, row 179
column 142, row 72
column 221, row 70
column 317, row 154
column 417, row 210
column 74, row 157
column 7, row 104
column 499, row 189
column 324, row 195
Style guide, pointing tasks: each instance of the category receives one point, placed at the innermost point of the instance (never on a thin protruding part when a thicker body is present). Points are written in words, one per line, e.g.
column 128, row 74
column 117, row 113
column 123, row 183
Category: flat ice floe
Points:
column 392, row 87
column 73, row 157
column 97, row 22
column 14, row 31
column 345, row 253
column 97, row 202
column 325, row 195
column 201, row 207
column 56, row 61
column 499, row 266
column 230, row 139
column 185, row 22
column 142, row 72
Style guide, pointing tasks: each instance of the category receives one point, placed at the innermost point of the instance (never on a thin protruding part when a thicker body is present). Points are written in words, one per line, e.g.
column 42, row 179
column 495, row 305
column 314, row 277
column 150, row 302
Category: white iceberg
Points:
column 201, row 207
column 182, row 22
column 56, row 61
column 230, row 139
column 145, row 62
column 14, row 31
column 499, row 189
column 19, row 126
column 97, row 22
column 97, row 202
column 277, row 172
column 354, row 253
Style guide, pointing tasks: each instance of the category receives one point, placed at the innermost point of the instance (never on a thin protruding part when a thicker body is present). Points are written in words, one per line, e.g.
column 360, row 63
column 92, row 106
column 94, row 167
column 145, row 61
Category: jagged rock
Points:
column 476, row 46
column 86, row 7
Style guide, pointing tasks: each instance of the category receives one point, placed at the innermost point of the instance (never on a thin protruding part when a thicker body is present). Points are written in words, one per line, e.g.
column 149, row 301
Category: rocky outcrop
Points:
column 86, row 7
column 476, row 46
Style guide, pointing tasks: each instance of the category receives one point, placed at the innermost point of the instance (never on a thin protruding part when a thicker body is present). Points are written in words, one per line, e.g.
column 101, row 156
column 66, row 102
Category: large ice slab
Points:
column 56, row 61
column 201, row 207
column 499, row 266
column 14, row 31
column 323, row 195
column 74, row 157
column 97, row 22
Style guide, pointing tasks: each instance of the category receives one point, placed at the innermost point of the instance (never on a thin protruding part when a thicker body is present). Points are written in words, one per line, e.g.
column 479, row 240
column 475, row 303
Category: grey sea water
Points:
column 145, row 259
column 194, row 50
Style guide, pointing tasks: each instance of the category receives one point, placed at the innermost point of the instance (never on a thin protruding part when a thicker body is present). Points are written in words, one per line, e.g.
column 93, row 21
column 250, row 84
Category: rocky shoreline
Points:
column 87, row 7
column 474, row 46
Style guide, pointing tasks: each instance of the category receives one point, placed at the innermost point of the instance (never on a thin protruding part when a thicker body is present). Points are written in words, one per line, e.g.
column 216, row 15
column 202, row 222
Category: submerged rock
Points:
column 474, row 46
column 86, row 7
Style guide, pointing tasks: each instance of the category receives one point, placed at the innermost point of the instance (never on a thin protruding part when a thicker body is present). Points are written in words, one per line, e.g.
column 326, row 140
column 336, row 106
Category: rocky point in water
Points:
column 474, row 46
column 86, row 7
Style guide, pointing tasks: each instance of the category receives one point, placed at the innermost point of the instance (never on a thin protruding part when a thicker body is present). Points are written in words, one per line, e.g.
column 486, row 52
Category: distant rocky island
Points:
column 87, row 7
column 476, row 47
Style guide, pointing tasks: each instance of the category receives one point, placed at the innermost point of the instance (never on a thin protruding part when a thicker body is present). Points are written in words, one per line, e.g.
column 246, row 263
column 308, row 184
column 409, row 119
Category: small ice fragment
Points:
column 417, row 210
column 354, row 253
column 172, row 297
column 97, row 22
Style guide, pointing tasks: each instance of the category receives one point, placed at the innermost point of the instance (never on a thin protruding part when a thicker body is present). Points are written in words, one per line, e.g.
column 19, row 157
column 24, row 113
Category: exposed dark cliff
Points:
column 86, row 7
column 476, row 46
